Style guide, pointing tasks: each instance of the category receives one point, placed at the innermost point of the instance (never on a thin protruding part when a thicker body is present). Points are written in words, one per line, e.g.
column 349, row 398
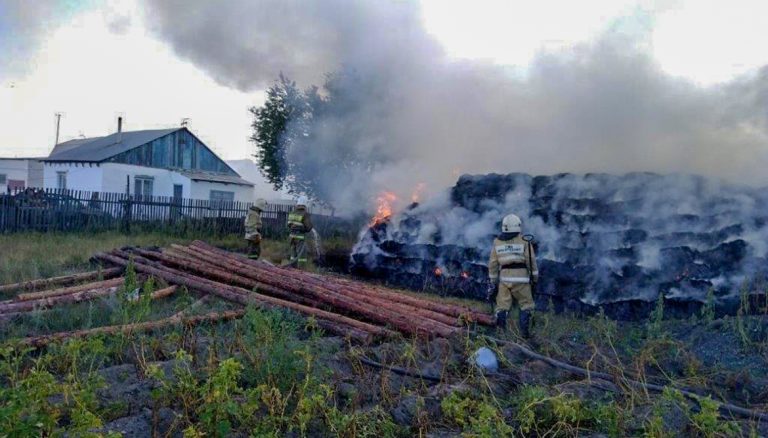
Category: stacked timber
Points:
column 341, row 306
column 47, row 299
column 66, row 280
column 359, row 311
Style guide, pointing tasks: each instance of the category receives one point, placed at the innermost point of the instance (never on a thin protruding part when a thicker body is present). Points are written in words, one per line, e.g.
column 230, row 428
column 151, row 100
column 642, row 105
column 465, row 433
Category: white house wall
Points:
column 79, row 176
column 202, row 190
column 13, row 170
column 163, row 180
column 36, row 174
column 111, row 177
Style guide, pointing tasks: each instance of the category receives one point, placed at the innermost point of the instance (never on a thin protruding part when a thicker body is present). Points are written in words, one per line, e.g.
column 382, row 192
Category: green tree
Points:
column 314, row 142
column 284, row 104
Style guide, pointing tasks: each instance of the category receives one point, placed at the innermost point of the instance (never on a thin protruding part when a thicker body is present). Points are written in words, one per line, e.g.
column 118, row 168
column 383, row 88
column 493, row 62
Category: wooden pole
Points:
column 61, row 281
column 238, row 295
column 382, row 313
column 298, row 283
column 25, row 306
column 69, row 290
column 39, row 341
column 447, row 309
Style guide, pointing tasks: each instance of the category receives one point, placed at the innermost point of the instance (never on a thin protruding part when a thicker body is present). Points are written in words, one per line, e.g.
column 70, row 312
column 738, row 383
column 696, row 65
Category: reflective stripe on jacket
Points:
column 295, row 220
column 515, row 280
column 512, row 261
column 299, row 222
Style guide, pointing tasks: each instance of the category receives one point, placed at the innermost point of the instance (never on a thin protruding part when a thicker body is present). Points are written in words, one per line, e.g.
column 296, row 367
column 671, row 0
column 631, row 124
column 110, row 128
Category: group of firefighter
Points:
column 299, row 224
column 512, row 269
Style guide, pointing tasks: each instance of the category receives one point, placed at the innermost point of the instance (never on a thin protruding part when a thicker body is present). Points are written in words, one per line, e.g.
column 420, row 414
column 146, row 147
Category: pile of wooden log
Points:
column 58, row 290
column 357, row 310
column 342, row 306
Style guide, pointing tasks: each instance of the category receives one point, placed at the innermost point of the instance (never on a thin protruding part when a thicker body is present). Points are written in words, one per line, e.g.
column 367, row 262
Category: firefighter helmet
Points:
column 260, row 204
column 511, row 224
column 302, row 201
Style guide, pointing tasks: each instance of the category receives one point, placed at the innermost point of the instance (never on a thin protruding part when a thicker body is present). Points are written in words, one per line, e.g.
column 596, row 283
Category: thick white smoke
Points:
column 22, row 26
column 25, row 24
column 599, row 106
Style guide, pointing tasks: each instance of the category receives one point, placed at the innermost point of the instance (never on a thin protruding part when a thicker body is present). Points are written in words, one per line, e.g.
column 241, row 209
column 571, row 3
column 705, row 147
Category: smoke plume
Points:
column 22, row 25
column 25, row 24
column 600, row 106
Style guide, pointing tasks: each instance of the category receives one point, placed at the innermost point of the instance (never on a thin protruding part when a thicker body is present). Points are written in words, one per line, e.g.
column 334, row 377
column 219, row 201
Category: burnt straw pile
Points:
column 617, row 242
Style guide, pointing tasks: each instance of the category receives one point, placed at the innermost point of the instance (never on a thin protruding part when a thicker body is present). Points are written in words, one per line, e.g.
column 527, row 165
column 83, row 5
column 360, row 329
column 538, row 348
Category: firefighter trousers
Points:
column 254, row 249
column 519, row 292
column 298, row 250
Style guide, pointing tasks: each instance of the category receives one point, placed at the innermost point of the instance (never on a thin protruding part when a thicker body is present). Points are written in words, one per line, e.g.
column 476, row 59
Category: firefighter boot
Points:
column 525, row 323
column 501, row 319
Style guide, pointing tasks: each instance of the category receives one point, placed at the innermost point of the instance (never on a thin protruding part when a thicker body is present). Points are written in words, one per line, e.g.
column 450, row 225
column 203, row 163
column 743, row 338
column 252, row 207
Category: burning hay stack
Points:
column 602, row 240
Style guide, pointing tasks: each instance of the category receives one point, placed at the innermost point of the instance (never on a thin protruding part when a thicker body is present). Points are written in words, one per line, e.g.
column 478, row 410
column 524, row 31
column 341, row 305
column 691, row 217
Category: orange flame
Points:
column 383, row 208
column 438, row 272
column 416, row 195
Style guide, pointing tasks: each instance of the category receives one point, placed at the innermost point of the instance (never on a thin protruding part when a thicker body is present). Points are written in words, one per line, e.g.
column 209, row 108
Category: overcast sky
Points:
column 93, row 60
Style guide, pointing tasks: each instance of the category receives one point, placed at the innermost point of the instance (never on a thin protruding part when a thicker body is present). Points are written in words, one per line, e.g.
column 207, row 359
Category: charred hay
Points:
column 616, row 242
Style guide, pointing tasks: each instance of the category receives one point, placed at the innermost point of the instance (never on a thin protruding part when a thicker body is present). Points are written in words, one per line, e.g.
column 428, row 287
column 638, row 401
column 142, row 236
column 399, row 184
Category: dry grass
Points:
column 27, row 256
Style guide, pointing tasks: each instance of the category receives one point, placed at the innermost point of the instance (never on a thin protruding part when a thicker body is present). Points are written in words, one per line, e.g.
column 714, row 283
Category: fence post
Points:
column 127, row 208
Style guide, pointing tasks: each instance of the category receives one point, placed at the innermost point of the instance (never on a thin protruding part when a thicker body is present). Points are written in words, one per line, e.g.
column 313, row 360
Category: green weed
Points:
column 708, row 310
column 705, row 422
column 476, row 417
column 657, row 318
column 33, row 402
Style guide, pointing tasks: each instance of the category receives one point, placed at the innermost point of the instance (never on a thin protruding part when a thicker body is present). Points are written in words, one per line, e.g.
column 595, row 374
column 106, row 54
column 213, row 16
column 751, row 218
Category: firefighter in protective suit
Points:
column 253, row 228
column 512, row 270
column 299, row 224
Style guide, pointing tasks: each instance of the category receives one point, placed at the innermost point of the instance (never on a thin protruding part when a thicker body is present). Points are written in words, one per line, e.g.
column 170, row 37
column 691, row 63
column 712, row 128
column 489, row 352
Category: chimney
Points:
column 119, row 129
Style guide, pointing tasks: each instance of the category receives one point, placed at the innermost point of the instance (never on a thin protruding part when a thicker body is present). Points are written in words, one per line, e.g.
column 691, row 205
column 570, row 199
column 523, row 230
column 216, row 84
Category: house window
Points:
column 2, row 178
column 220, row 195
column 61, row 180
column 143, row 185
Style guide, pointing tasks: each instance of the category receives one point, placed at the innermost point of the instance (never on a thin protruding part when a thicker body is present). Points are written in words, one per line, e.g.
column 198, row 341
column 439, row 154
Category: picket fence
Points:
column 63, row 210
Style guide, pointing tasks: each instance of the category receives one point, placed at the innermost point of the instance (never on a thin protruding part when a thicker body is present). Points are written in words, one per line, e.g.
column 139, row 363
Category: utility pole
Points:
column 58, row 122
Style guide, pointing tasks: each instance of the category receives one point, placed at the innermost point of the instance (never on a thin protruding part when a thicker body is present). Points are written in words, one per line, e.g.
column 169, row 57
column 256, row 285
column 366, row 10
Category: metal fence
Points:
column 48, row 210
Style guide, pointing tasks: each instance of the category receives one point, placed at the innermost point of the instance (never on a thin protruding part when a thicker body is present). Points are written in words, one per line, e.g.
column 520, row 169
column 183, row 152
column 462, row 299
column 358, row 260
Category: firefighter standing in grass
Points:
column 253, row 228
column 512, row 272
column 299, row 224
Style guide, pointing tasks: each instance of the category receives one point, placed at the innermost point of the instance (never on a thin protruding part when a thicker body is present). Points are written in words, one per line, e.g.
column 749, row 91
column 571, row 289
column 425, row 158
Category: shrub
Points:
column 476, row 417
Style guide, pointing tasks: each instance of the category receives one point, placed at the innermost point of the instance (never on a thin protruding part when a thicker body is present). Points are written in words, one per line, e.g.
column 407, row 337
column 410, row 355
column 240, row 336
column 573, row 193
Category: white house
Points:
column 161, row 162
column 19, row 173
